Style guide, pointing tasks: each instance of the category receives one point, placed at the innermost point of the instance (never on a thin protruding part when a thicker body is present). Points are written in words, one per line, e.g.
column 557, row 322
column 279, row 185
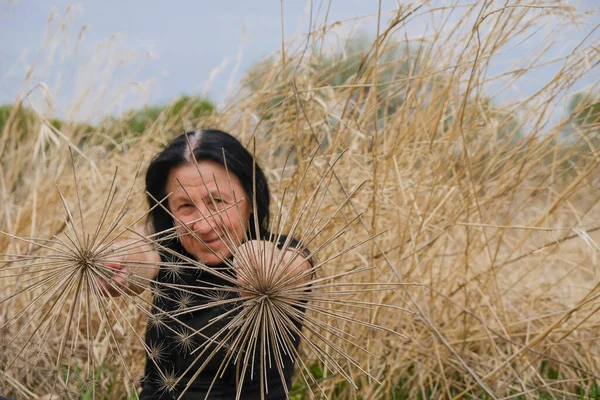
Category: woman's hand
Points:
column 133, row 263
column 260, row 267
column 117, row 283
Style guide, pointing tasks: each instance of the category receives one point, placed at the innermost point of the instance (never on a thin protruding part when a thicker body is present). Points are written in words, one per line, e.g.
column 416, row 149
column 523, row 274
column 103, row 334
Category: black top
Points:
column 171, row 358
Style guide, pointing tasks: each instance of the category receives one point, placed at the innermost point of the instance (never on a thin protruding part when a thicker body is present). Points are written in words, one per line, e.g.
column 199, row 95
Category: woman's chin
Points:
column 217, row 256
column 209, row 253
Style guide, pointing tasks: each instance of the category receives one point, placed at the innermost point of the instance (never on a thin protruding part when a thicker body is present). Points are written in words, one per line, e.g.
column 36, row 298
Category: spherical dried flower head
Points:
column 277, row 285
column 68, row 278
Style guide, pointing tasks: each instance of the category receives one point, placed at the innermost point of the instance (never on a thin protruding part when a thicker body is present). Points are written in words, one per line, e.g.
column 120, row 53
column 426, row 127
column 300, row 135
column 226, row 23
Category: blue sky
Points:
column 187, row 39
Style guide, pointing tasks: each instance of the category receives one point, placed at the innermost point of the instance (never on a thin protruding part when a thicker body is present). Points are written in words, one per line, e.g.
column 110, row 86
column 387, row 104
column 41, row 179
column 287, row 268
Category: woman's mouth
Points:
column 211, row 242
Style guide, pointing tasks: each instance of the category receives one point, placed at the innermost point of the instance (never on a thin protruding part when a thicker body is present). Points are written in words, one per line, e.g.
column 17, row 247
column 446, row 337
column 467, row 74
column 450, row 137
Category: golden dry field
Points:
column 461, row 233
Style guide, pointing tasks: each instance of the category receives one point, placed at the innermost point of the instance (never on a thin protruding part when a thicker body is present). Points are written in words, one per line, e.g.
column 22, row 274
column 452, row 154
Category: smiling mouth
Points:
column 211, row 242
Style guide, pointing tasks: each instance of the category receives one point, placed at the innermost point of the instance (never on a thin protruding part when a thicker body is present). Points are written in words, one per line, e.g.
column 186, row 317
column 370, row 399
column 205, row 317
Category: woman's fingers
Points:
column 260, row 263
column 117, row 282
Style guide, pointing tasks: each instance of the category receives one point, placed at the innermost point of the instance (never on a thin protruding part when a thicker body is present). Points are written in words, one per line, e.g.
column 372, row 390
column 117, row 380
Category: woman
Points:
column 217, row 206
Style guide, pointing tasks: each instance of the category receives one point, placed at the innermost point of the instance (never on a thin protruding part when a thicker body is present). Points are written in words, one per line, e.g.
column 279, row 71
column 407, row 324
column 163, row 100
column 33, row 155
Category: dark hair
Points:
column 213, row 145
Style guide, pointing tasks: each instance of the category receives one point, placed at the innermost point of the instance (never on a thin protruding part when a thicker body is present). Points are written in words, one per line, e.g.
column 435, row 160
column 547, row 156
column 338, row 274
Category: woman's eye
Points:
column 217, row 203
column 185, row 206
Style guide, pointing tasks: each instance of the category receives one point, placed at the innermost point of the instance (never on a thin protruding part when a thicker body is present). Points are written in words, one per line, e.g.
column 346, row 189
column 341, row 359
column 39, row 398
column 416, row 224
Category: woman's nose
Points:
column 203, row 225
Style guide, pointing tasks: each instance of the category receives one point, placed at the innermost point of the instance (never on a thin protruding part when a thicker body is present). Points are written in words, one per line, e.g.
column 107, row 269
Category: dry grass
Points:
column 496, row 221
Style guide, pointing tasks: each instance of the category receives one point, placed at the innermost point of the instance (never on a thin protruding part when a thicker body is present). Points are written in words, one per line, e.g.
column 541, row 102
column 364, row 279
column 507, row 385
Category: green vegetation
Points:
column 17, row 118
column 138, row 121
column 584, row 111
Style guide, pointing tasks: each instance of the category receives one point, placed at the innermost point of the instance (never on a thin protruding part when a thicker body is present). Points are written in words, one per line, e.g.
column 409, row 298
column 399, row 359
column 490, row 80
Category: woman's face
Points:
column 204, row 199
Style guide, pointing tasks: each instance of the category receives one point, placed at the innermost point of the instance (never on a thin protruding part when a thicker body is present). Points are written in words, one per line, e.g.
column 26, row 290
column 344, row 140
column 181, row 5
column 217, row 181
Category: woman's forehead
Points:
column 207, row 175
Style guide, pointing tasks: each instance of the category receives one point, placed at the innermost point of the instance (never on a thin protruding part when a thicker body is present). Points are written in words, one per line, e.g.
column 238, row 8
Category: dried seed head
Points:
column 184, row 339
column 160, row 292
column 173, row 271
column 168, row 382
column 156, row 351
column 184, row 300
column 218, row 294
column 157, row 320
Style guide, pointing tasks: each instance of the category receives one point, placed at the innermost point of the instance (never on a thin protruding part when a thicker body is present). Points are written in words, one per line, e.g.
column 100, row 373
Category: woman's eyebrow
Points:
column 215, row 194
column 179, row 200
column 179, row 196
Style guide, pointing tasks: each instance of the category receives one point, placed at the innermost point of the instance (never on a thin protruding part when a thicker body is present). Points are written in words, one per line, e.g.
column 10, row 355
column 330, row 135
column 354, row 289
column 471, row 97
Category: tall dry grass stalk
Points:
column 490, row 208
